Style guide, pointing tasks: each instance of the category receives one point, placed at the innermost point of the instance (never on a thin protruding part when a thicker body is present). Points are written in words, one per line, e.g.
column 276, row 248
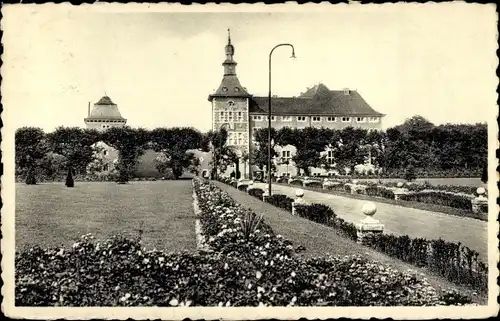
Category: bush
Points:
column 69, row 179
column 296, row 182
column 243, row 188
column 281, row 201
column 440, row 198
column 256, row 192
column 410, row 174
column 318, row 213
column 379, row 191
column 315, row 185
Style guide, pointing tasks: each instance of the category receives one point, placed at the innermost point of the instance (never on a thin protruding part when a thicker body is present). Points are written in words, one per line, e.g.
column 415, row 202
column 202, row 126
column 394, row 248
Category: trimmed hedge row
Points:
column 440, row 198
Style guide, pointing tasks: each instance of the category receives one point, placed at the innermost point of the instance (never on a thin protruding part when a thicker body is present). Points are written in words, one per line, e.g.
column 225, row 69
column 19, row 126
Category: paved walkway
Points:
column 400, row 220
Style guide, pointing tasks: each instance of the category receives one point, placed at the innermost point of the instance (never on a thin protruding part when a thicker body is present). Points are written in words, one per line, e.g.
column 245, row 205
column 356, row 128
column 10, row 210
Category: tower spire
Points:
column 228, row 36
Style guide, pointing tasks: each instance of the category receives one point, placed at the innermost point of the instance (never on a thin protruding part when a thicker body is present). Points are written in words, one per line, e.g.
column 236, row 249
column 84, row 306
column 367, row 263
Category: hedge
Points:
column 440, row 198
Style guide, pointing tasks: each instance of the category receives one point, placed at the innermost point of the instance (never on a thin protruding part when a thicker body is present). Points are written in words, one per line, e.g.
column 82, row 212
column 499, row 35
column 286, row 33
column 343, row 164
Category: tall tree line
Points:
column 416, row 143
column 72, row 149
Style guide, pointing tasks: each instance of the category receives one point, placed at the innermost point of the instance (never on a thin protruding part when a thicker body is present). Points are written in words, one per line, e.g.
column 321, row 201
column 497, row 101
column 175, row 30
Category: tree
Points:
column 69, row 179
column 260, row 154
column 76, row 145
column 30, row 148
column 175, row 144
column 216, row 141
column 52, row 165
column 131, row 144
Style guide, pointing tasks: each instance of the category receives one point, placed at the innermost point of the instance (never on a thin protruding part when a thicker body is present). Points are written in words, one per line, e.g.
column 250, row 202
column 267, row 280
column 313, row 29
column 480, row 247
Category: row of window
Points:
column 236, row 139
column 229, row 116
column 317, row 119
column 254, row 129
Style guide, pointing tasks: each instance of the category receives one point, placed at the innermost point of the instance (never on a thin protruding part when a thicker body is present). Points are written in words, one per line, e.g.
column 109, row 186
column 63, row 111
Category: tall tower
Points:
column 230, row 104
column 104, row 115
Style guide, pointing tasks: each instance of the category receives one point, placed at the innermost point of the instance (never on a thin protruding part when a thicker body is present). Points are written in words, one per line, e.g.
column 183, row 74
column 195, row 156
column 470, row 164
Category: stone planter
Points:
column 368, row 227
column 400, row 191
column 480, row 203
column 298, row 200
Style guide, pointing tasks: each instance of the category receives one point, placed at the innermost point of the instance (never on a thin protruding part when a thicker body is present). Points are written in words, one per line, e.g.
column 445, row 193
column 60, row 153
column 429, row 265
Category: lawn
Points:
column 53, row 215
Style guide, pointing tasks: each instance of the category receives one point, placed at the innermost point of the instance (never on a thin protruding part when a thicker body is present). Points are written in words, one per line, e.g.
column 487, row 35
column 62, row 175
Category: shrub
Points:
column 281, row 201
column 410, row 174
column 243, row 188
column 379, row 191
column 347, row 188
column 296, row 182
column 440, row 198
column 256, row 192
column 249, row 224
column 318, row 213
column 69, row 179
column 315, row 184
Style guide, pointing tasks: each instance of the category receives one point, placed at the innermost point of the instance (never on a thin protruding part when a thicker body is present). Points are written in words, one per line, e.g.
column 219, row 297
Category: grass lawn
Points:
column 320, row 240
column 52, row 214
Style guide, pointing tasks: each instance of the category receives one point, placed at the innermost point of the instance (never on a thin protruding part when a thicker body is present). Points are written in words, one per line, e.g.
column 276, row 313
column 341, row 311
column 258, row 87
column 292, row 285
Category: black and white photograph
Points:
column 245, row 162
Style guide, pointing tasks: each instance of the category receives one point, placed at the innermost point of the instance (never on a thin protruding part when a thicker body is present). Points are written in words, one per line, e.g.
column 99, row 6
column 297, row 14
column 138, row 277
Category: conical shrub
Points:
column 69, row 179
column 30, row 178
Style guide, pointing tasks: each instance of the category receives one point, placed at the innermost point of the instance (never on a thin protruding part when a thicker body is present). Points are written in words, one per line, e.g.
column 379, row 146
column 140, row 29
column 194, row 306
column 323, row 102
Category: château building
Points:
column 241, row 113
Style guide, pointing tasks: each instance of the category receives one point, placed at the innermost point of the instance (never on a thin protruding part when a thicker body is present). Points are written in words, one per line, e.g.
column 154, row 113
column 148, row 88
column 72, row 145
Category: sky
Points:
column 159, row 64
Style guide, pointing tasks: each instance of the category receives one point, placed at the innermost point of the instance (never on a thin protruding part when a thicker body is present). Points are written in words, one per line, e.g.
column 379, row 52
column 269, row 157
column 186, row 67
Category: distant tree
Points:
column 260, row 152
column 30, row 148
column 410, row 174
column 131, row 144
column 69, row 179
column 76, row 145
column 175, row 143
column 52, row 165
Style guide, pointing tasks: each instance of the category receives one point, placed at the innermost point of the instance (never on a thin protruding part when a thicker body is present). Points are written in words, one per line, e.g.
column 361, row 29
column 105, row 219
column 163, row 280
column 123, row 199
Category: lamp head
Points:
column 293, row 54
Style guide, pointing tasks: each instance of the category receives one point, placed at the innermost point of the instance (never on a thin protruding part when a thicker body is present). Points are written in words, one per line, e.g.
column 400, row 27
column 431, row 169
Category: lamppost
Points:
column 269, row 115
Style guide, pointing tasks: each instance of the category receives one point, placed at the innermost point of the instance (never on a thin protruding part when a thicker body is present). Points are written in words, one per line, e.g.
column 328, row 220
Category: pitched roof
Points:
column 230, row 87
column 105, row 100
column 105, row 109
column 318, row 100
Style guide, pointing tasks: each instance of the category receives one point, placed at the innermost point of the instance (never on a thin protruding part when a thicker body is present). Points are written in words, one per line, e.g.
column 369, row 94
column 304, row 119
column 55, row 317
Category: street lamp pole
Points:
column 269, row 115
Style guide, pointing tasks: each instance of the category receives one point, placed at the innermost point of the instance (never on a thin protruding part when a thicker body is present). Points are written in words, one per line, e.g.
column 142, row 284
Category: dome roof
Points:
column 105, row 109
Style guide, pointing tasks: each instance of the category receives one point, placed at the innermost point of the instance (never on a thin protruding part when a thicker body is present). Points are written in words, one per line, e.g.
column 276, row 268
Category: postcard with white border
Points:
column 244, row 162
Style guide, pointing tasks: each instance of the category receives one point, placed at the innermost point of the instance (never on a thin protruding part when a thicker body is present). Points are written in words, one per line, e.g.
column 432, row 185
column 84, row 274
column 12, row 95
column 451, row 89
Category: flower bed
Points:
column 249, row 266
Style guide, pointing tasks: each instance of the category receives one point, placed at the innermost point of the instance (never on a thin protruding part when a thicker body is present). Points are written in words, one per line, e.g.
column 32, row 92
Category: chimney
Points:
column 346, row 91
column 88, row 110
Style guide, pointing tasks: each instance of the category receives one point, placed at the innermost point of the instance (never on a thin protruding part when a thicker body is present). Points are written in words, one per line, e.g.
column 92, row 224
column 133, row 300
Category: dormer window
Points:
column 224, row 88
column 236, row 89
column 230, row 103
